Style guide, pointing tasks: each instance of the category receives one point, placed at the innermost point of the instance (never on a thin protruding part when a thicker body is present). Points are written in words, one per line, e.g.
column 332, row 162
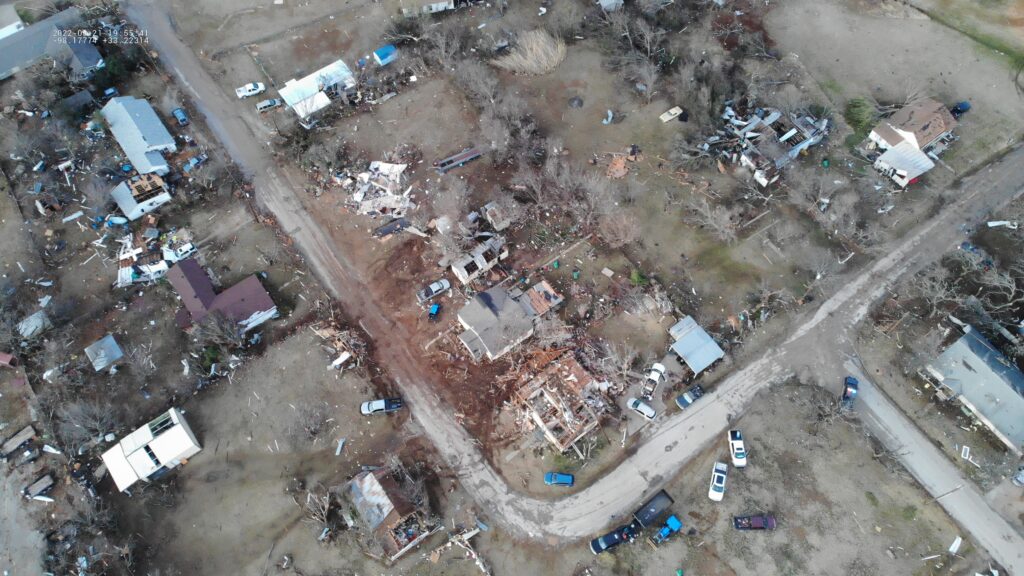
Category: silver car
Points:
column 641, row 408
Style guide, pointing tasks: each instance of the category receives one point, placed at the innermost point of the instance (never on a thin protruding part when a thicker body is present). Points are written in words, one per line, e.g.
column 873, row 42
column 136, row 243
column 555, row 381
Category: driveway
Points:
column 818, row 341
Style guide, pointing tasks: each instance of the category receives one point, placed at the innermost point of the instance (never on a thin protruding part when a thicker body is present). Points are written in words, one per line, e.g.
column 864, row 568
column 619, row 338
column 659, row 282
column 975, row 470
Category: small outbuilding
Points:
column 104, row 353
column 385, row 55
column 694, row 346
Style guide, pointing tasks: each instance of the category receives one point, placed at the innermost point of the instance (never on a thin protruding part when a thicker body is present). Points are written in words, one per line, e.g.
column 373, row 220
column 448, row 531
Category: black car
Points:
column 612, row 539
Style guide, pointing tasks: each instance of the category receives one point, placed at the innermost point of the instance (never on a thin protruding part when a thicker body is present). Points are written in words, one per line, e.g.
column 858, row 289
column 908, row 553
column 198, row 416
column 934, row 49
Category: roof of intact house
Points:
column 694, row 345
column 306, row 95
column 985, row 378
column 84, row 55
column 919, row 123
column 138, row 130
column 26, row 46
column 496, row 320
column 240, row 303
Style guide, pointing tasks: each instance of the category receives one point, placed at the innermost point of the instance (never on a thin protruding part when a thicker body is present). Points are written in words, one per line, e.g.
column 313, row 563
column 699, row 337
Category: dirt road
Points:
column 816, row 342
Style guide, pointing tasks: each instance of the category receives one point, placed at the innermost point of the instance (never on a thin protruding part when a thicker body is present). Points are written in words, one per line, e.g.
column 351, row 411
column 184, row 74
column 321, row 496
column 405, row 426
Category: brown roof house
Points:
column 911, row 139
column 246, row 303
column 388, row 509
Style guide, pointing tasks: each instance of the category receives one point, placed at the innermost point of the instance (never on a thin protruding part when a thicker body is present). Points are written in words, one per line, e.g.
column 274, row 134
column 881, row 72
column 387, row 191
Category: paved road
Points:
column 817, row 341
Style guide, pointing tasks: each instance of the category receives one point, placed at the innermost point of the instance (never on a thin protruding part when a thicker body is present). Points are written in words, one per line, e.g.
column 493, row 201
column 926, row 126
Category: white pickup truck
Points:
column 737, row 449
column 250, row 89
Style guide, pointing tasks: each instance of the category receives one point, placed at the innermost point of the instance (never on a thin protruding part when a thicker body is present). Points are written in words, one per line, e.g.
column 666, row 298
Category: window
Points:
column 161, row 425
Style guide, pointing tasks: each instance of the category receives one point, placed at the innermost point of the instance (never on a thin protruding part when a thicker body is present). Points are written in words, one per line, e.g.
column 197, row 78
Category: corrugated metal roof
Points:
column 104, row 353
column 140, row 133
column 305, row 95
column 906, row 159
column 694, row 345
column 991, row 383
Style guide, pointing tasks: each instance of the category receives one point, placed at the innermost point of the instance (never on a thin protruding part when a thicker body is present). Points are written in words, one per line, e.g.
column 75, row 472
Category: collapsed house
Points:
column 247, row 303
column 910, row 140
column 104, row 353
column 146, row 256
column 309, row 95
column 497, row 320
column 765, row 141
column 152, row 451
column 480, row 259
column 694, row 346
column 389, row 511
column 553, row 400
column 140, row 133
column 379, row 190
column 140, row 195
column 987, row 383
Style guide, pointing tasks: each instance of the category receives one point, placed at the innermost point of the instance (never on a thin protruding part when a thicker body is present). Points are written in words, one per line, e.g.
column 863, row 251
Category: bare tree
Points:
column 716, row 219
column 646, row 74
column 82, row 420
column 566, row 20
column 647, row 36
column 218, row 330
column 478, row 82
column 618, row 229
column 446, row 41
column 935, row 287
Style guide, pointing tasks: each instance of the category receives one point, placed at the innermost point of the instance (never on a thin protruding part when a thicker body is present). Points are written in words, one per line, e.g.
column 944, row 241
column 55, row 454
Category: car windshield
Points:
column 719, row 482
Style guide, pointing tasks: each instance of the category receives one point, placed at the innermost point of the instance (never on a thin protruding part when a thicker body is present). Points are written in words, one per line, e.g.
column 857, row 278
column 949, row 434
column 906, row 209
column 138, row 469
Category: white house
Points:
column 140, row 195
column 151, row 451
column 310, row 94
column 911, row 138
column 10, row 22
column 140, row 133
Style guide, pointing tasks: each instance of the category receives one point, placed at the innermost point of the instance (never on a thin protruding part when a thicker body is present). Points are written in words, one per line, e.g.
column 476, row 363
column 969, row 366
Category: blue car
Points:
column 180, row 115
column 559, row 479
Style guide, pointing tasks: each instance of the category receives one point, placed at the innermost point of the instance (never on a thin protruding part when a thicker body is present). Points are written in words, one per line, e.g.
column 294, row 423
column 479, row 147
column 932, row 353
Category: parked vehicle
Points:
column 457, row 160
column 717, row 490
column 384, row 405
column 652, row 511
column 612, row 539
column 654, row 378
column 180, row 115
column 642, row 408
column 433, row 290
column 268, row 104
column 559, row 479
column 737, row 449
column 251, row 89
column 960, row 109
column 434, row 313
column 672, row 526
column 689, row 397
column 110, row 93
column 755, row 522
column 194, row 162
column 850, row 388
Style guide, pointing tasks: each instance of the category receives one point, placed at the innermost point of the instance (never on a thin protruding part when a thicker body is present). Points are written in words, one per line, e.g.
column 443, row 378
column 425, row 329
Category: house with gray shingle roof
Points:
column 30, row 44
column 140, row 133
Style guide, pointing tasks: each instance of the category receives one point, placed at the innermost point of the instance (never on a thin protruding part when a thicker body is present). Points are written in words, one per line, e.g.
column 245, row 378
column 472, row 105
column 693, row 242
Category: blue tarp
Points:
column 385, row 54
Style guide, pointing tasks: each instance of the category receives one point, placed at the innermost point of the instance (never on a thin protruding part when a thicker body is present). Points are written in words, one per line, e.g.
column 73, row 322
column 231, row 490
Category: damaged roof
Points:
column 104, row 353
column 378, row 499
column 920, row 123
column 986, row 381
column 26, row 46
